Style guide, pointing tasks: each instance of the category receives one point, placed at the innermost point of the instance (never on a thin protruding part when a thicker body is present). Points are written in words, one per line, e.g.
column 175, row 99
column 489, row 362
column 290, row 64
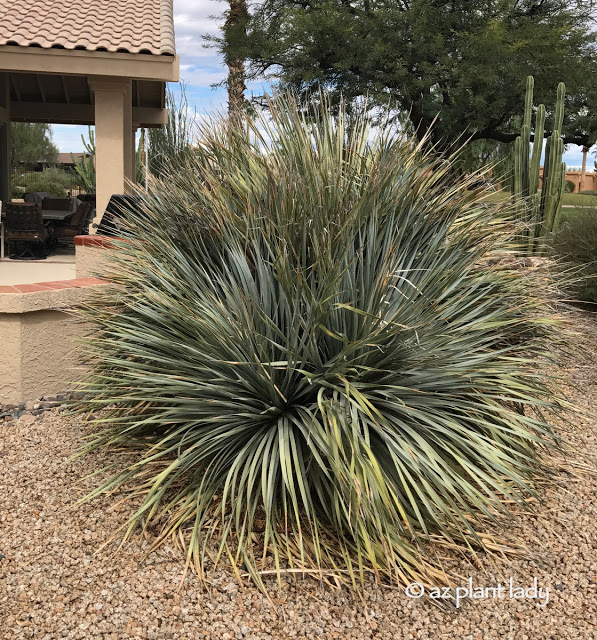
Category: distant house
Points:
column 65, row 161
column 69, row 159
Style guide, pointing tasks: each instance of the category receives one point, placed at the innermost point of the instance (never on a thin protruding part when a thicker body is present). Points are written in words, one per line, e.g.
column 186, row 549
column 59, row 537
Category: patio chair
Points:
column 57, row 204
column 77, row 224
column 89, row 219
column 24, row 224
column 119, row 207
column 87, row 197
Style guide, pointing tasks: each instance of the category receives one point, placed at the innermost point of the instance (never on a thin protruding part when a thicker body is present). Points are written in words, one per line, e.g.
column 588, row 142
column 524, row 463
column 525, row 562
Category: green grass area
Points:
column 570, row 212
column 579, row 199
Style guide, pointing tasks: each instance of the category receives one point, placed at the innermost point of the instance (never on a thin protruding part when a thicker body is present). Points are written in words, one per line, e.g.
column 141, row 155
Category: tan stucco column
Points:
column 5, row 192
column 131, row 171
column 113, row 130
column 129, row 157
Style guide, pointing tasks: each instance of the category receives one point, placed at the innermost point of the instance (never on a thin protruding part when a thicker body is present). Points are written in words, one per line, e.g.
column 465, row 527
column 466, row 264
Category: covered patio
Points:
column 87, row 62
column 84, row 62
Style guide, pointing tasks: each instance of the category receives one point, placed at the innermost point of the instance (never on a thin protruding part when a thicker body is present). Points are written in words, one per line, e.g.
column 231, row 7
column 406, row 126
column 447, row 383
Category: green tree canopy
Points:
column 31, row 143
column 462, row 63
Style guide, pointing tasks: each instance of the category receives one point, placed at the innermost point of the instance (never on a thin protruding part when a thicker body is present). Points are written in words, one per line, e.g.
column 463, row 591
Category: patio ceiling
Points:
column 66, row 99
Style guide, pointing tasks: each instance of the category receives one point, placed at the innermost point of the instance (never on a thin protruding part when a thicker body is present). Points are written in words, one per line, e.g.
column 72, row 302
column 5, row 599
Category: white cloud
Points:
column 573, row 157
column 194, row 19
column 201, row 76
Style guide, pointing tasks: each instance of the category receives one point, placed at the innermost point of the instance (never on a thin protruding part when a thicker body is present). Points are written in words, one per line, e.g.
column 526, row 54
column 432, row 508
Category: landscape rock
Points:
column 62, row 577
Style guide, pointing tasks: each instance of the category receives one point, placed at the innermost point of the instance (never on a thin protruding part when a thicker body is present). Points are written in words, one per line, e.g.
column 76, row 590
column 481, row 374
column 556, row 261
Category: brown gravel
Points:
column 53, row 585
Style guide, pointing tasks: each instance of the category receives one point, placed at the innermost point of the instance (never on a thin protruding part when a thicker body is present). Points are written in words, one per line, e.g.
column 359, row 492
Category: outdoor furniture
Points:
column 25, row 224
column 57, row 204
column 119, row 207
column 90, row 217
column 56, row 215
column 77, row 224
column 36, row 196
column 51, row 216
column 87, row 197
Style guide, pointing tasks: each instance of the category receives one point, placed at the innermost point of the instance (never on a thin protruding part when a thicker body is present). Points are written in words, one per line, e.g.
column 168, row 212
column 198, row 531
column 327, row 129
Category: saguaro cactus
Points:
column 540, row 210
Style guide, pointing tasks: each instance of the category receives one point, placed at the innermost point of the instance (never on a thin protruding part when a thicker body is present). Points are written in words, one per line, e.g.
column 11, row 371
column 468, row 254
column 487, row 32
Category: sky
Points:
column 201, row 67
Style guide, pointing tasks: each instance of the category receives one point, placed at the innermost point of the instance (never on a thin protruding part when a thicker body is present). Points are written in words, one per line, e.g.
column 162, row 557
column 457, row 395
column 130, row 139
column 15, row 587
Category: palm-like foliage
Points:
column 170, row 145
column 315, row 351
column 85, row 163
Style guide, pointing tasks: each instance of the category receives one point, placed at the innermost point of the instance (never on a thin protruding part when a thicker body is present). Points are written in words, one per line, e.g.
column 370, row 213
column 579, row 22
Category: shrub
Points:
column 17, row 192
column 576, row 243
column 55, row 188
column 569, row 188
column 320, row 358
column 56, row 176
column 52, row 180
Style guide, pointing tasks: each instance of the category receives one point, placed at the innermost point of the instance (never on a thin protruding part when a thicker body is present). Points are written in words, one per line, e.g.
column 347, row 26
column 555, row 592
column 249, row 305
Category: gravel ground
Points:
column 53, row 584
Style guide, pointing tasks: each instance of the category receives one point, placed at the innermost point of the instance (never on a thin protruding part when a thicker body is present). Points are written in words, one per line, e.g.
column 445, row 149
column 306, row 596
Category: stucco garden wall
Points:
column 39, row 334
column 39, row 338
column 91, row 255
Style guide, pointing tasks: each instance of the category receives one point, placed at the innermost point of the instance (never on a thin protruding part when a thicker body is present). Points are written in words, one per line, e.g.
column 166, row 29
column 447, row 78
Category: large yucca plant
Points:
column 318, row 355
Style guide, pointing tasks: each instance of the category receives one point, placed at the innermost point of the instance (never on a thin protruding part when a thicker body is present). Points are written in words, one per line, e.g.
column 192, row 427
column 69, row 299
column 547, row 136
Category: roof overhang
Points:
column 54, row 85
column 89, row 63
column 82, row 114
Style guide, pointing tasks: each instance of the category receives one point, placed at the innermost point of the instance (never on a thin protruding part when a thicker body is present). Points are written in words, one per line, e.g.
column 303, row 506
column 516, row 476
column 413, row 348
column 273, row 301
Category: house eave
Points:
column 89, row 63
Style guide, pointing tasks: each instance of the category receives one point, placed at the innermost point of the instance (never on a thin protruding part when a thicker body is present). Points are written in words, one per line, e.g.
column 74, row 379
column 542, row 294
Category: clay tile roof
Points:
column 68, row 158
column 130, row 26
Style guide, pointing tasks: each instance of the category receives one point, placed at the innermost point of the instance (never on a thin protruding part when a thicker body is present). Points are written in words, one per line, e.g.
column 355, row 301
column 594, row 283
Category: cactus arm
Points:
column 537, row 149
column 558, row 212
column 559, row 119
column 528, row 102
column 525, row 146
column 534, row 229
column 554, row 185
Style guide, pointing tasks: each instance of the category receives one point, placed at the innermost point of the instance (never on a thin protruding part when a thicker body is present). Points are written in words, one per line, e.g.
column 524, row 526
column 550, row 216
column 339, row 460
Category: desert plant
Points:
column 85, row 164
column 538, row 209
column 57, row 174
column 170, row 145
column 317, row 354
column 576, row 244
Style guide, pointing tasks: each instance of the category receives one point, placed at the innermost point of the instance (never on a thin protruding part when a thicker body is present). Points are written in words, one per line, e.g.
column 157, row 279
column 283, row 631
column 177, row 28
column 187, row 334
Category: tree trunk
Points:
column 235, row 32
column 236, row 90
column 583, row 170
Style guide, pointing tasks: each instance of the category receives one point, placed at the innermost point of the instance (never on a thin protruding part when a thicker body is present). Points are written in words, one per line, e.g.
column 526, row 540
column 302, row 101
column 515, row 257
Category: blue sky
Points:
column 201, row 67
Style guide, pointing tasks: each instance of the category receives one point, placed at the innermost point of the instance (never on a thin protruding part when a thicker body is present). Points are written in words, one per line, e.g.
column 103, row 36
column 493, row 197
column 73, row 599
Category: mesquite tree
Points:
column 458, row 65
